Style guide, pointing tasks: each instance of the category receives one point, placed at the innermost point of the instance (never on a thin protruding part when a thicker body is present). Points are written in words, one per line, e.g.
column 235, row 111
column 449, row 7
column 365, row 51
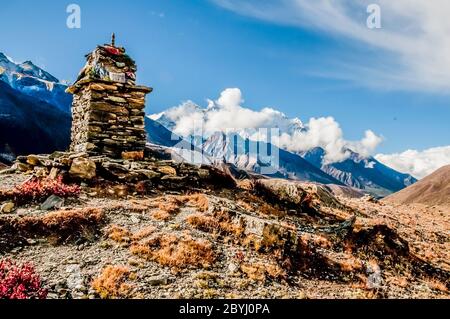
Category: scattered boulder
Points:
column 296, row 195
column 158, row 281
column 33, row 160
column 167, row 170
column 83, row 168
column 115, row 170
column 232, row 268
column 54, row 172
column 52, row 202
column 7, row 208
column 269, row 234
column 75, row 281
column 369, row 198
column 374, row 277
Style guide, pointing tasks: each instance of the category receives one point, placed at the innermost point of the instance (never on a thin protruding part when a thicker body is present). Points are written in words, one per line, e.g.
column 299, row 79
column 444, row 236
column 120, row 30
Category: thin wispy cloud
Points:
column 412, row 47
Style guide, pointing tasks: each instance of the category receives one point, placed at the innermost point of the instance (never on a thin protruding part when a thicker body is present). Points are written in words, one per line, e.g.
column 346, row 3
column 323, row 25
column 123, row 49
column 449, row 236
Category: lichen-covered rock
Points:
column 33, row 160
column 268, row 234
column 139, row 155
column 7, row 207
column 52, row 202
column 83, row 168
column 112, row 170
column 167, row 170
column 296, row 195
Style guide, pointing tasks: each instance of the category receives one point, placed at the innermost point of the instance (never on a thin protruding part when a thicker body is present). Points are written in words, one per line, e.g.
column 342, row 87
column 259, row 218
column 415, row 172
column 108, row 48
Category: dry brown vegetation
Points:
column 400, row 281
column 350, row 264
column 245, row 206
column 113, row 283
column 119, row 234
column 316, row 240
column 245, row 184
column 437, row 285
column 122, row 235
column 164, row 205
column 164, row 208
column 199, row 201
column 219, row 222
column 424, row 228
column 264, row 245
column 178, row 252
column 261, row 272
column 62, row 225
column 143, row 233
column 253, row 203
column 60, row 222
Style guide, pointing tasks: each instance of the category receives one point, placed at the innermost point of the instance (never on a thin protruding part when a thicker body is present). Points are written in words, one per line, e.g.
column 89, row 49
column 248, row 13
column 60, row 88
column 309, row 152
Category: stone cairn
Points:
column 108, row 107
column 108, row 135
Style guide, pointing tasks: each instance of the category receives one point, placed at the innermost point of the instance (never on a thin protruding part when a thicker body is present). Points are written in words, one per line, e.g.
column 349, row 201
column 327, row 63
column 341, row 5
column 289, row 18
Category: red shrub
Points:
column 20, row 282
column 36, row 189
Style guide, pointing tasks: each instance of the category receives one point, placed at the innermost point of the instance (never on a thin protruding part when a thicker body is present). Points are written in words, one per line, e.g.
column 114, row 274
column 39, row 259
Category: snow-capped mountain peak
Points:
column 29, row 68
column 210, row 129
column 361, row 172
column 191, row 119
column 33, row 81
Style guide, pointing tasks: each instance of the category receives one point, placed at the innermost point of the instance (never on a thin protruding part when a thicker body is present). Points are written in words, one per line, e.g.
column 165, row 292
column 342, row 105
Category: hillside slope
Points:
column 28, row 125
column 160, row 229
column 432, row 190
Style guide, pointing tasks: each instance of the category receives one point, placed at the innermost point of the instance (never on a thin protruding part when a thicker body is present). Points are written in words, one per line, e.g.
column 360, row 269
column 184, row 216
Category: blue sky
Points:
column 193, row 50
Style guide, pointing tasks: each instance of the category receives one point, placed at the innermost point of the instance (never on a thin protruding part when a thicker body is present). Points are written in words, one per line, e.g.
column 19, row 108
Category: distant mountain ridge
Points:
column 363, row 173
column 248, row 155
column 31, row 80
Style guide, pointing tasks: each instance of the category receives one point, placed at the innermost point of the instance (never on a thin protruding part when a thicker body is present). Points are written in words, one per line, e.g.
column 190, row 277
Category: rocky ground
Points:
column 159, row 229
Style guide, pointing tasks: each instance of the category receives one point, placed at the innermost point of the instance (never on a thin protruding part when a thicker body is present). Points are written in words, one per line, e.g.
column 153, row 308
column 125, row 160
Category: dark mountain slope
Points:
column 29, row 126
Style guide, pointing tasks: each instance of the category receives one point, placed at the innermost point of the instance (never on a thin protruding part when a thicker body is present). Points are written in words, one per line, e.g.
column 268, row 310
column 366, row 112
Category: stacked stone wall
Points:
column 109, row 118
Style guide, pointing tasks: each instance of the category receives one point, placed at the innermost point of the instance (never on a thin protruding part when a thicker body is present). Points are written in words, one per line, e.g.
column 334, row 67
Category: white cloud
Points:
column 417, row 163
column 223, row 114
column 326, row 133
column 413, row 39
column 228, row 115
column 368, row 144
column 230, row 98
column 322, row 132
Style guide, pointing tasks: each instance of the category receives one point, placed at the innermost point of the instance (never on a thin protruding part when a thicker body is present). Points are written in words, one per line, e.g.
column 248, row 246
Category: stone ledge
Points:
column 113, row 86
